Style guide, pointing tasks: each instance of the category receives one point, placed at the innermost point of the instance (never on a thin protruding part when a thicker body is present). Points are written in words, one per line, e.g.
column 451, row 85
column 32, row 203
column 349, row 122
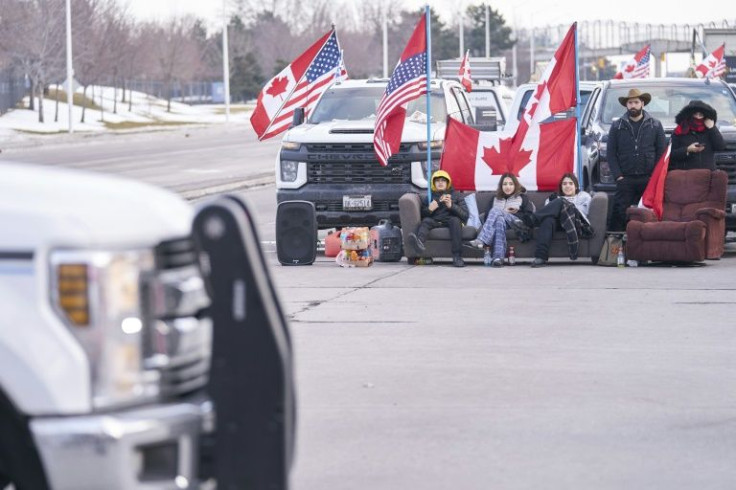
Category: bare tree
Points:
column 31, row 34
column 176, row 53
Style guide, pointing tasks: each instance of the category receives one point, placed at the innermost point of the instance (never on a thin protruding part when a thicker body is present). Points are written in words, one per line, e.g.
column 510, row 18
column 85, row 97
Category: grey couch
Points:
column 438, row 242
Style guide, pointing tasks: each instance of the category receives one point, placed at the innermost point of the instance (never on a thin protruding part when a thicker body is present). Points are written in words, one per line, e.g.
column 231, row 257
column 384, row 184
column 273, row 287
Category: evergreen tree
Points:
column 246, row 78
column 500, row 33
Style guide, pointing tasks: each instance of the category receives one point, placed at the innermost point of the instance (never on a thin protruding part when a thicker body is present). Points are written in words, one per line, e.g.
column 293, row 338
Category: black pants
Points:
column 546, row 220
column 628, row 192
column 453, row 223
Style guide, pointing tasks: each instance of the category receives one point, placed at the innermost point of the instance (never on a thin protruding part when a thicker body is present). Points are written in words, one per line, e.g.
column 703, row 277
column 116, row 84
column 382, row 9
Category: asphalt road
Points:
column 192, row 161
column 432, row 377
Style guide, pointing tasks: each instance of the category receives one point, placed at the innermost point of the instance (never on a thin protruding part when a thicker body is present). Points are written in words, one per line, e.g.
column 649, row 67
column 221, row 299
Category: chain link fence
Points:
column 189, row 92
column 12, row 88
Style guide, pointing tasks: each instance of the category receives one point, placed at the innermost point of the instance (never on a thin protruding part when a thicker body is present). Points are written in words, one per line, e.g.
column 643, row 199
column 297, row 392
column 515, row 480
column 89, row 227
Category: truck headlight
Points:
column 98, row 295
column 289, row 170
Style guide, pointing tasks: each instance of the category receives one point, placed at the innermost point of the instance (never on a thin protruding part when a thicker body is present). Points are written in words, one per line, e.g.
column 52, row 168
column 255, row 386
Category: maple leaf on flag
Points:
column 496, row 160
column 278, row 86
column 629, row 68
column 523, row 158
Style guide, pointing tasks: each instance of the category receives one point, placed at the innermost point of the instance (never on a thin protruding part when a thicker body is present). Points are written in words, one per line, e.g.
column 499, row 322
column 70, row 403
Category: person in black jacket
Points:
column 446, row 209
column 696, row 137
column 635, row 143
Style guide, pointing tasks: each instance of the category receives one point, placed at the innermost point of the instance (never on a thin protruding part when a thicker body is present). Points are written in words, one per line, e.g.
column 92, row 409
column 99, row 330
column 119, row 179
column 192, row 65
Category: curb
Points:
column 194, row 194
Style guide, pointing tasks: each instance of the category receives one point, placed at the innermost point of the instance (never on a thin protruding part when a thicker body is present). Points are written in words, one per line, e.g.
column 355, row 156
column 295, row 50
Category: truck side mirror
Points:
column 298, row 117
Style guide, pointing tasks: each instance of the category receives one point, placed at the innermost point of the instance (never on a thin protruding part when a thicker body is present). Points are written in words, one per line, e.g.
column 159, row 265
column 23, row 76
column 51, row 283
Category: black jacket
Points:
column 630, row 154
column 711, row 138
column 442, row 213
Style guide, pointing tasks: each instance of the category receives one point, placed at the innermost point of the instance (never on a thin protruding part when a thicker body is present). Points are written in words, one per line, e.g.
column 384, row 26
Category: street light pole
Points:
column 225, row 61
column 462, row 30
column 385, row 44
column 69, row 68
column 488, row 31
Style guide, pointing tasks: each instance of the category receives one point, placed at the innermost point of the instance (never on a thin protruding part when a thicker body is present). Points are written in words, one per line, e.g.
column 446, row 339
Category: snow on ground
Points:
column 146, row 113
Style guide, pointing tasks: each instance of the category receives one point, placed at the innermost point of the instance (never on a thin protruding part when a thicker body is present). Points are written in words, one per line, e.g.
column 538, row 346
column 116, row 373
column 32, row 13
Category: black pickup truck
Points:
column 669, row 95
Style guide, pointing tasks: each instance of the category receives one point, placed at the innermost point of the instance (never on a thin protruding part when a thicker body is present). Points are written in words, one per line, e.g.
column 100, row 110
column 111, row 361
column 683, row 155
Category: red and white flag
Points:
column 408, row 81
column 653, row 197
column 638, row 66
column 300, row 84
column 537, row 153
column 464, row 73
column 477, row 159
column 714, row 65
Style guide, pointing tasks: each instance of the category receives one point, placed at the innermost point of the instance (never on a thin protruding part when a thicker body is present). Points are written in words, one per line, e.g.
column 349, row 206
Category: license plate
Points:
column 357, row 203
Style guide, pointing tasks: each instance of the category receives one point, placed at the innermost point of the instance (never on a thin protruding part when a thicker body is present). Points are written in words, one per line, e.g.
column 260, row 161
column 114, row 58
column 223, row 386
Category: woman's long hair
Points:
column 518, row 188
column 574, row 179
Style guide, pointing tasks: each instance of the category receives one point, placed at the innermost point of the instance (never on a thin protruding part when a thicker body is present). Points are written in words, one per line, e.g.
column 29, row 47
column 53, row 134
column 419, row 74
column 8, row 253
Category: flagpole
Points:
column 429, row 104
column 577, row 109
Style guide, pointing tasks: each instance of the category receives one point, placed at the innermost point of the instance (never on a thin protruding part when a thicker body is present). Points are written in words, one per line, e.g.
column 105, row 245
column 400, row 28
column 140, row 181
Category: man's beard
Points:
column 633, row 113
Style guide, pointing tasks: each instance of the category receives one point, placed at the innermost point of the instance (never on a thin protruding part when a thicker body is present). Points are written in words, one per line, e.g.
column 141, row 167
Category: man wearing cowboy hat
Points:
column 635, row 143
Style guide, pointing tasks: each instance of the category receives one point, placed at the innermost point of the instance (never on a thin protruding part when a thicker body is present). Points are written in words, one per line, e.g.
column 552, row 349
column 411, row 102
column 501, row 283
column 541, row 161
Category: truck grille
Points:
column 179, row 339
column 358, row 173
column 348, row 148
column 175, row 253
column 727, row 163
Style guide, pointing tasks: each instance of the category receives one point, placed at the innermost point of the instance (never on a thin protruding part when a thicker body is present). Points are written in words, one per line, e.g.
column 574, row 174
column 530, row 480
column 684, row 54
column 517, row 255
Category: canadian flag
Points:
column 653, row 197
column 714, row 65
column 477, row 159
column 279, row 90
column 636, row 67
column 464, row 73
column 537, row 153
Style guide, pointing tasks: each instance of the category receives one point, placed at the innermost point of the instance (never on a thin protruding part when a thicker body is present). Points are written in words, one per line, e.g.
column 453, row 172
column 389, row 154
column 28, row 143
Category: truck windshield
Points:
column 354, row 104
column 668, row 100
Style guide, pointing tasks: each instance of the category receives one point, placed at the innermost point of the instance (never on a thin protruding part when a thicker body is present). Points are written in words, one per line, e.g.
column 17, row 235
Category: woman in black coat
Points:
column 696, row 137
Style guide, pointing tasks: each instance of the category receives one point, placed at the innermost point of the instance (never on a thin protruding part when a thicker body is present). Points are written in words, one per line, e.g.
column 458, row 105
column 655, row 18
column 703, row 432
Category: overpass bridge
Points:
column 609, row 38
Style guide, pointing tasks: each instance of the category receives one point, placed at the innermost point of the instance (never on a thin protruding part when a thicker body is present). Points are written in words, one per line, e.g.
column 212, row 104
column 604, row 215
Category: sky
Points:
column 522, row 12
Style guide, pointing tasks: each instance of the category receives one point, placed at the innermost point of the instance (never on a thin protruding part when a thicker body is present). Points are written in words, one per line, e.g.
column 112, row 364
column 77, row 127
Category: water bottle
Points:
column 620, row 261
column 512, row 256
column 487, row 259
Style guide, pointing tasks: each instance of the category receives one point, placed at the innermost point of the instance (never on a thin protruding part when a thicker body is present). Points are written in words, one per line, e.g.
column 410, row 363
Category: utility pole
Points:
column 488, row 31
column 69, row 67
column 385, row 45
column 531, row 53
column 225, row 60
column 462, row 31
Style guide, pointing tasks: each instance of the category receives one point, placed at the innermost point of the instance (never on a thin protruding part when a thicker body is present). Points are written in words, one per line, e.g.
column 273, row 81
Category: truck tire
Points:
column 20, row 463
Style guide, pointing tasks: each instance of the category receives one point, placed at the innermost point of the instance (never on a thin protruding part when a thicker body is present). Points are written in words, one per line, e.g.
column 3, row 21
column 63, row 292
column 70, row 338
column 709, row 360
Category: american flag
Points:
column 408, row 82
column 714, row 65
column 325, row 68
column 638, row 66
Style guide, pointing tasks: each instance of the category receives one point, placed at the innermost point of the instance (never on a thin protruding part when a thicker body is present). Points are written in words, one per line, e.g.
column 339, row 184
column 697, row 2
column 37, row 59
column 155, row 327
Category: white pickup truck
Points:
column 105, row 334
column 329, row 158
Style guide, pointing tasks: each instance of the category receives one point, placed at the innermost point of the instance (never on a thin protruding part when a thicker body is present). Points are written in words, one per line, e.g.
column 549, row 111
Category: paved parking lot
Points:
column 569, row 376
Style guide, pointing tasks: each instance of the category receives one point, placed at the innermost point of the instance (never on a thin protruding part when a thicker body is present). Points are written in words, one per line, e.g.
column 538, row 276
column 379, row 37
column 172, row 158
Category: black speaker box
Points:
column 296, row 233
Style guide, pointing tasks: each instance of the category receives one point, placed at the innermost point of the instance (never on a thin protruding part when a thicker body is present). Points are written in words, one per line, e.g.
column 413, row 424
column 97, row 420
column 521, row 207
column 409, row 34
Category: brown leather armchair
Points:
column 693, row 225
